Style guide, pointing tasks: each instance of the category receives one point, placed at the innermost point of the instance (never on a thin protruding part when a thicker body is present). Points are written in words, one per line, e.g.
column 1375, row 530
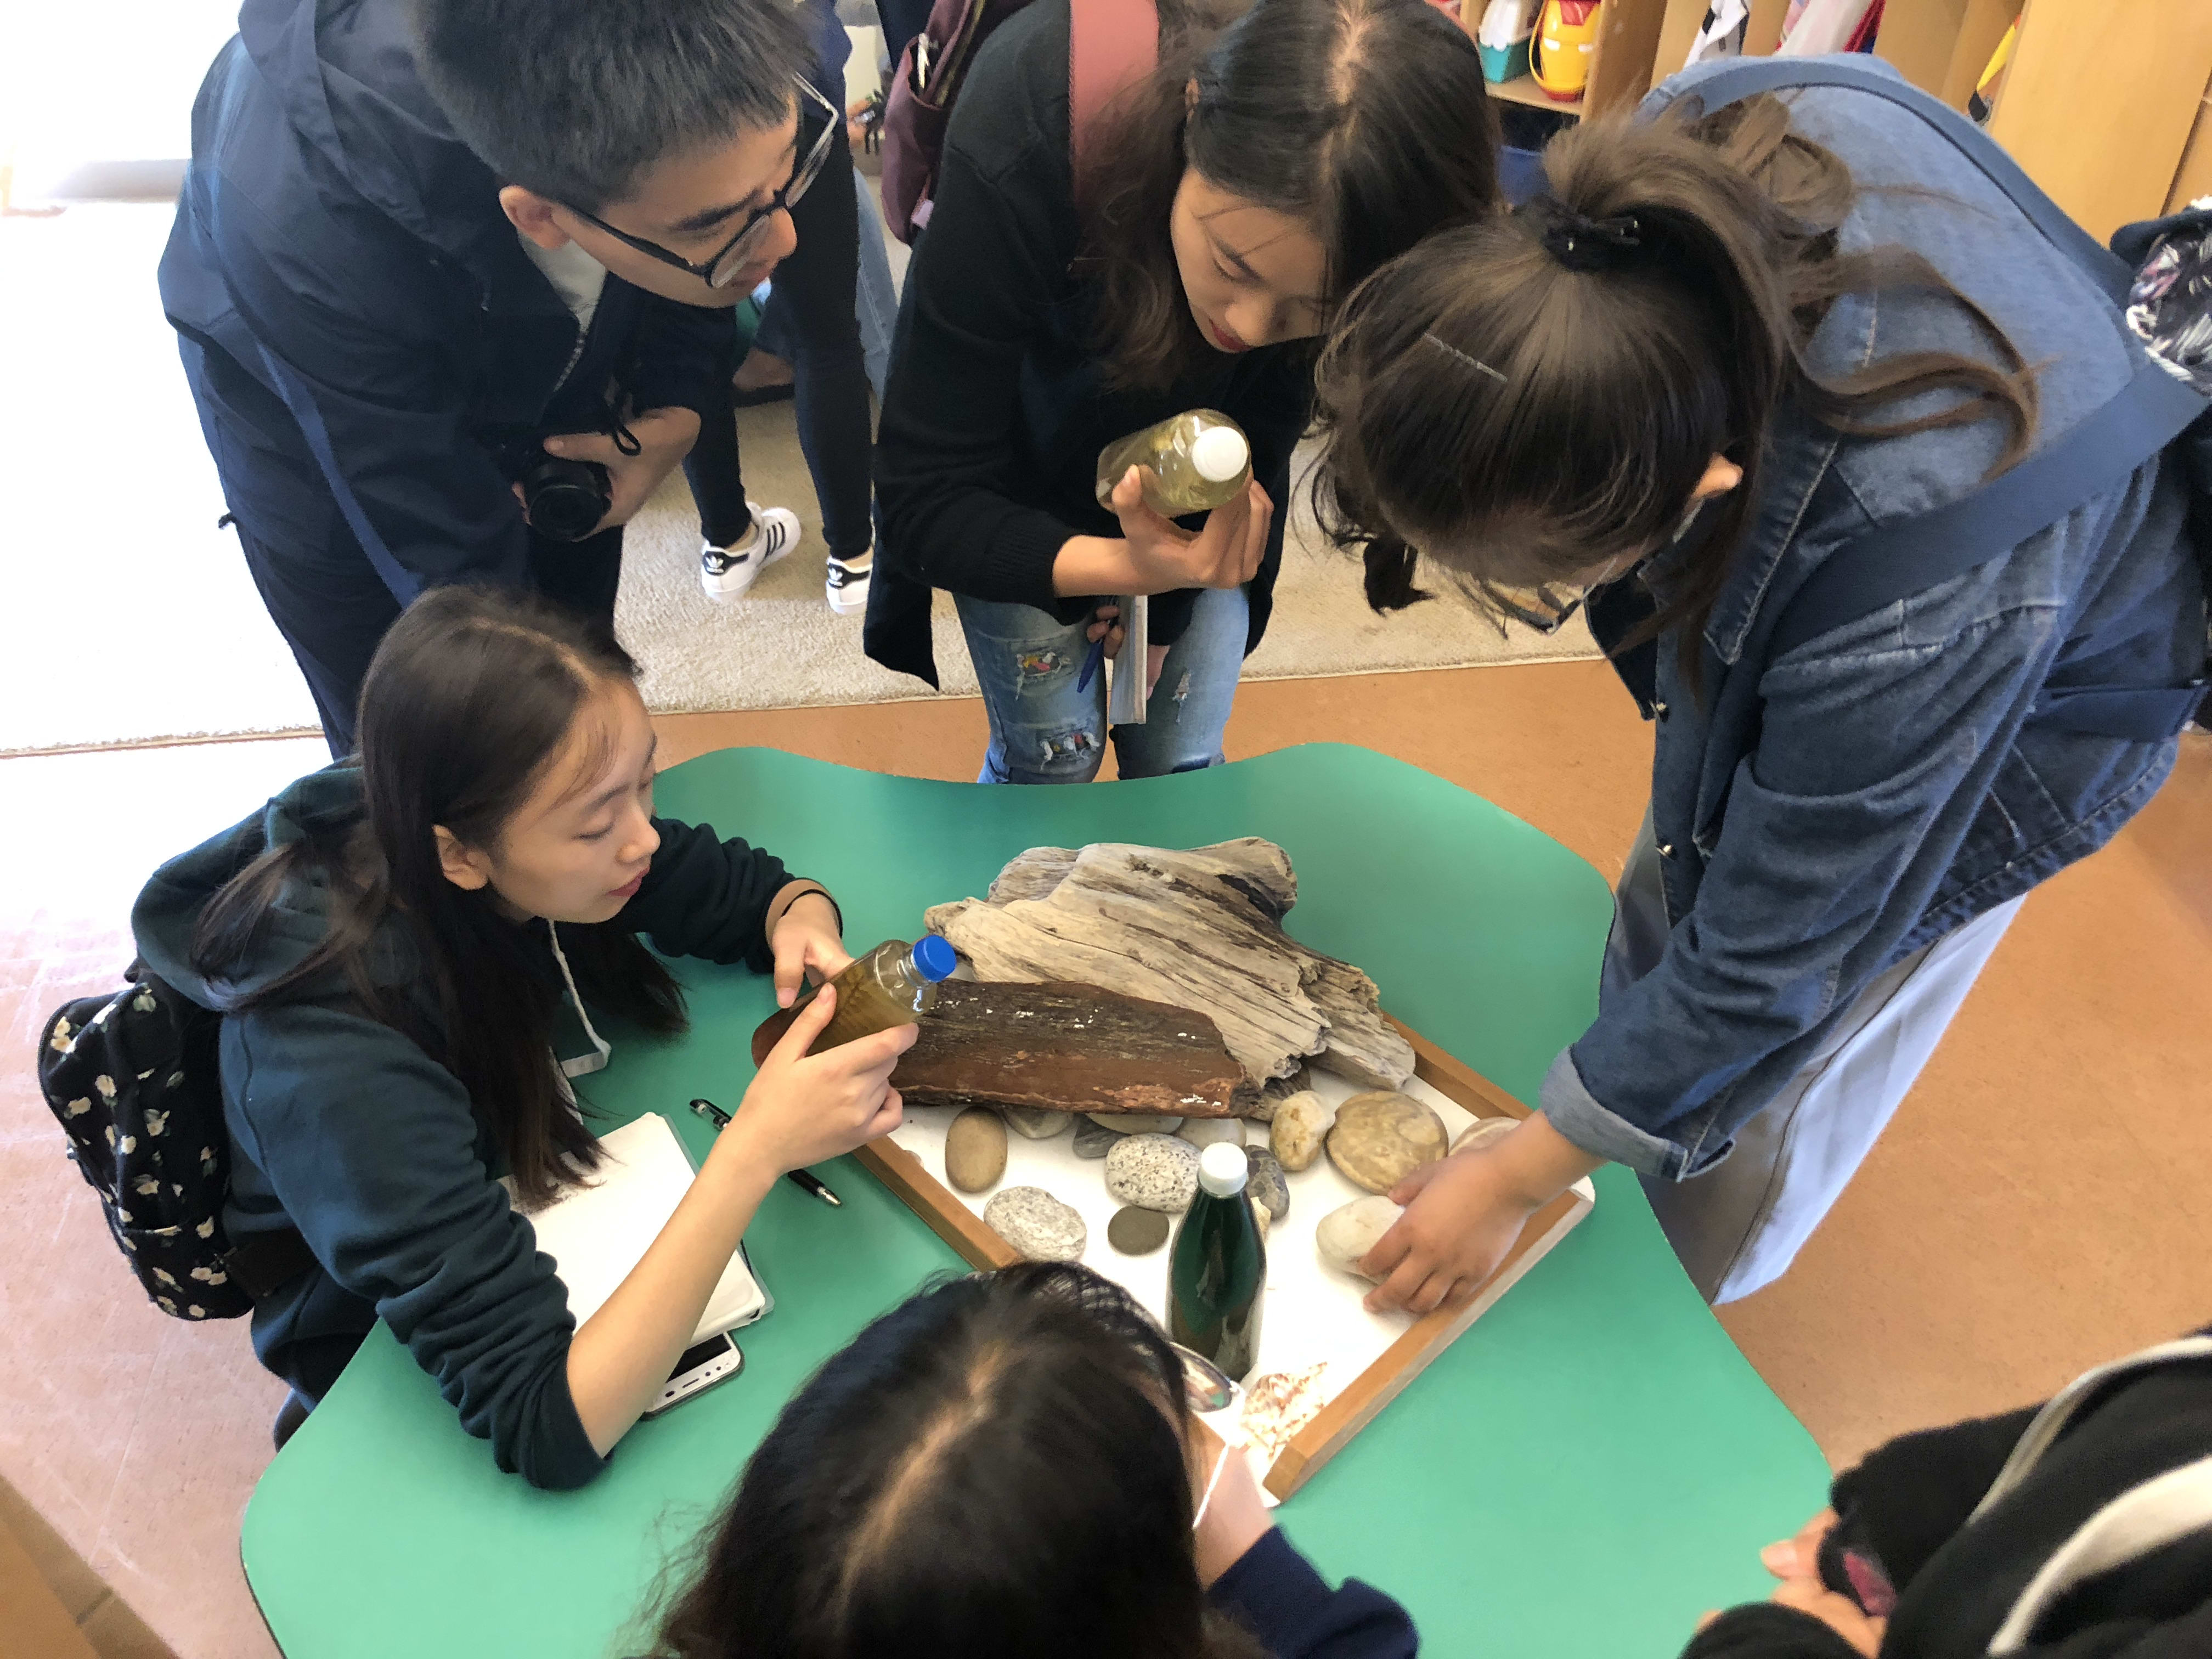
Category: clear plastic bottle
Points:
column 1217, row 1278
column 893, row 985
column 1199, row 460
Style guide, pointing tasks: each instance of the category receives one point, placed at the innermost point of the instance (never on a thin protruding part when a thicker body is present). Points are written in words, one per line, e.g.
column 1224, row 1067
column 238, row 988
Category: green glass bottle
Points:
column 1217, row 1278
column 893, row 985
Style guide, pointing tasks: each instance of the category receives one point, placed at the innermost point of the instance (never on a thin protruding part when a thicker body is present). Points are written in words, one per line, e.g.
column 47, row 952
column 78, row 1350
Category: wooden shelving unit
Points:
column 1524, row 89
column 1620, row 67
column 2107, row 108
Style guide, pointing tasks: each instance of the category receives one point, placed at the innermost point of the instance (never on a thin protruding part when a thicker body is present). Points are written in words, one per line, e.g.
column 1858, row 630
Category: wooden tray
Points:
column 1375, row 1388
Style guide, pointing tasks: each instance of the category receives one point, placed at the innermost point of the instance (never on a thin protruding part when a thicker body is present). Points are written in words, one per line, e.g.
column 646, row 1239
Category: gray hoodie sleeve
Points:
column 371, row 1147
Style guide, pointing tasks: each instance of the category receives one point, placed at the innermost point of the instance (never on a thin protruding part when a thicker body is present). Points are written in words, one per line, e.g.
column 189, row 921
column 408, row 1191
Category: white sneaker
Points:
column 846, row 582
column 726, row 572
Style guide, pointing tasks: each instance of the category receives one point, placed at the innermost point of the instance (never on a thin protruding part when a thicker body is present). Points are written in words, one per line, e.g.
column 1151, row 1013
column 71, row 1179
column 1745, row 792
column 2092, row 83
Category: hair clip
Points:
column 1580, row 242
column 1472, row 362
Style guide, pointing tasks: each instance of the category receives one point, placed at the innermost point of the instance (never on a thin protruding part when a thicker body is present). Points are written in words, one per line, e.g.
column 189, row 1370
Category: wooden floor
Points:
column 2042, row 1201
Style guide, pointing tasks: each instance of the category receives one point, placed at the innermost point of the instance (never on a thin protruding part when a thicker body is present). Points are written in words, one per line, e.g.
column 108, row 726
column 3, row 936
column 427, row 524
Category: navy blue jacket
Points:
column 1823, row 812
column 1275, row 1594
column 349, row 1132
column 360, row 319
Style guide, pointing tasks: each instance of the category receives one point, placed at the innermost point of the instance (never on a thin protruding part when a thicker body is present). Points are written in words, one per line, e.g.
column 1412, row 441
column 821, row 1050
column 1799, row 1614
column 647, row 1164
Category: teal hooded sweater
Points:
column 346, row 1129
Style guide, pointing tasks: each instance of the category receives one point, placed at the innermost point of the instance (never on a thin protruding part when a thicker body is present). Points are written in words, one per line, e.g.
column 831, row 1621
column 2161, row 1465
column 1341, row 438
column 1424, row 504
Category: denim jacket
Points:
column 1824, row 812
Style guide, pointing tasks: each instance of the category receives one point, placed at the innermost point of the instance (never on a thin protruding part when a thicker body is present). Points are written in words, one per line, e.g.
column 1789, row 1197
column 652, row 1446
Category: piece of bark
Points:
column 1060, row 1047
column 1200, row 929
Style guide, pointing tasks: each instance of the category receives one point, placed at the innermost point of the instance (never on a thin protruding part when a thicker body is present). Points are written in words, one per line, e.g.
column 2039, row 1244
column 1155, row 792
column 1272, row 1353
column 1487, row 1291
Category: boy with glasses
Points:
column 428, row 254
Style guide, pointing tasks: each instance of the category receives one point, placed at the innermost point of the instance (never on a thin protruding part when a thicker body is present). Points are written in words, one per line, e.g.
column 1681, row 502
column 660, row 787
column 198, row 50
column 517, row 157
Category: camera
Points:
column 564, row 499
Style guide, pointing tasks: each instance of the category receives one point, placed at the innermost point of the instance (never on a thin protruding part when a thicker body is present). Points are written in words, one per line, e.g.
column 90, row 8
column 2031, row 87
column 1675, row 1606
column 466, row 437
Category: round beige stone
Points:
column 1203, row 1132
column 975, row 1150
column 1381, row 1136
column 1300, row 1125
column 1343, row 1237
column 1482, row 1131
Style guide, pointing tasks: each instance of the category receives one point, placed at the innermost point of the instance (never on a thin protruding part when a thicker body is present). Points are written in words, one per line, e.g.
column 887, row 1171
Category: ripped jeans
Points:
column 1044, row 731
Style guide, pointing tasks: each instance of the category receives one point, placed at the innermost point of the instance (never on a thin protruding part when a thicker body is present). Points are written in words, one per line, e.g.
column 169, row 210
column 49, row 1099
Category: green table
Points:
column 1588, row 1469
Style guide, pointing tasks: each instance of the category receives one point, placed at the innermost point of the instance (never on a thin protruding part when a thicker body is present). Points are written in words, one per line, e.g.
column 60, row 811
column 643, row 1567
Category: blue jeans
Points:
column 876, row 297
column 1044, row 731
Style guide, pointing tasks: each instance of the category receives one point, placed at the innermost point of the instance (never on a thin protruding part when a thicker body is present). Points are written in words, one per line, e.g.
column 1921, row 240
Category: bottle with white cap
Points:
column 1197, row 460
column 895, row 984
column 1217, row 1278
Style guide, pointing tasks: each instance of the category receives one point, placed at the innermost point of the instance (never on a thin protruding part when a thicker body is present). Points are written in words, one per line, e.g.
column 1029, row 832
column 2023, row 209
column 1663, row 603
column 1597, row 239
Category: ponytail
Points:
column 1579, row 362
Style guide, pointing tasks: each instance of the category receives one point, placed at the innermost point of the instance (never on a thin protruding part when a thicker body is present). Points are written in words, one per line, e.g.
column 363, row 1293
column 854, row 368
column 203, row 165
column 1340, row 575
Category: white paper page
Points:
column 1312, row 1312
column 596, row 1234
column 1128, row 692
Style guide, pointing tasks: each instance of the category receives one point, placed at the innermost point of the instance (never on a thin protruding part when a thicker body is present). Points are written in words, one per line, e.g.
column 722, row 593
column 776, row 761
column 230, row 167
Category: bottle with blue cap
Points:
column 895, row 984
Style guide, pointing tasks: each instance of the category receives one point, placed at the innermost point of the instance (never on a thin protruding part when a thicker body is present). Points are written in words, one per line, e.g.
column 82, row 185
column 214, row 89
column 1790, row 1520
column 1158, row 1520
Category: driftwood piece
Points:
column 1200, row 930
column 1063, row 1048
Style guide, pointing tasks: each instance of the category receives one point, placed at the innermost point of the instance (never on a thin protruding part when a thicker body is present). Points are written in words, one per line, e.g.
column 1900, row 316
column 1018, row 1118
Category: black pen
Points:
column 805, row 1180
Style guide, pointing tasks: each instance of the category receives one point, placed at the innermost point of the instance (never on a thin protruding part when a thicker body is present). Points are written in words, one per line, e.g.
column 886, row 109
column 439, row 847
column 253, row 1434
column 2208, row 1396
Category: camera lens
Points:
column 565, row 500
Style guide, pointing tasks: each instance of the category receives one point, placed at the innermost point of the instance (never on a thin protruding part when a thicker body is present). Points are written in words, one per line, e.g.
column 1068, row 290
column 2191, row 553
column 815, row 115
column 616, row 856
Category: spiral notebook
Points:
column 597, row 1233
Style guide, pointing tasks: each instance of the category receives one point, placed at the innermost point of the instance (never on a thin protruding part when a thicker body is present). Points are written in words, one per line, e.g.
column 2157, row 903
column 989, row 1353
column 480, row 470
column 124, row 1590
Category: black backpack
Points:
column 133, row 1080
column 2159, row 273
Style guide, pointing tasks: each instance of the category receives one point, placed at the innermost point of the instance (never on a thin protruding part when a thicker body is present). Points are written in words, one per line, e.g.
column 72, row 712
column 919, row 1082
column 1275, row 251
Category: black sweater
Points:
column 1274, row 1593
column 987, row 451
column 1909, row 1544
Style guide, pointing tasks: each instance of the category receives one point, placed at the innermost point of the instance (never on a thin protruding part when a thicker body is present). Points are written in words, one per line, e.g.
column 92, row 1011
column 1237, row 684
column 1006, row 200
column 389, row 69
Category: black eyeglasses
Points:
column 1544, row 609
column 1547, row 606
column 737, row 253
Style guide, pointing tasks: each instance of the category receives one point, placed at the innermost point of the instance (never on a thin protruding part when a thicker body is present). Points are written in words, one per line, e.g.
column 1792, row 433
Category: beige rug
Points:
column 780, row 646
column 133, row 620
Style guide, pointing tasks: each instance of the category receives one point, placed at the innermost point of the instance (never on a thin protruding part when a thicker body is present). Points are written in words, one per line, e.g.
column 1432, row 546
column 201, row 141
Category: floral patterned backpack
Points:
column 134, row 1080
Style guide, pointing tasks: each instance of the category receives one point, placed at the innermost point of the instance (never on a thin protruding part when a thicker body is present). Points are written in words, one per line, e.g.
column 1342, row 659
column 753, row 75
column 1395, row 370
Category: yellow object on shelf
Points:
column 1982, row 102
column 1559, row 56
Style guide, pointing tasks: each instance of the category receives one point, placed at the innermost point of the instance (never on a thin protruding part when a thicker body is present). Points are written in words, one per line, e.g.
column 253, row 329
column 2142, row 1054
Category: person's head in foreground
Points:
column 663, row 138
column 1259, row 173
column 1536, row 402
column 1004, row 1466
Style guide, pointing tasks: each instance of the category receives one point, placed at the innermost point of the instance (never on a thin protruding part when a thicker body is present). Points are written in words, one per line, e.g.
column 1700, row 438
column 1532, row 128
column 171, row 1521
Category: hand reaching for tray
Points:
column 1463, row 1215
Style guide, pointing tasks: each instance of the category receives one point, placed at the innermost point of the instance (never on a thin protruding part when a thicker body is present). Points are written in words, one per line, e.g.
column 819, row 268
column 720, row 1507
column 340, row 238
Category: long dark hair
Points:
column 1523, row 410
column 994, row 1470
column 1366, row 119
column 471, row 694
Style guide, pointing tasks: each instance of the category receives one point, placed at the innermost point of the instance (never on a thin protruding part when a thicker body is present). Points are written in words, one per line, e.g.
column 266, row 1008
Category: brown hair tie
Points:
column 1580, row 242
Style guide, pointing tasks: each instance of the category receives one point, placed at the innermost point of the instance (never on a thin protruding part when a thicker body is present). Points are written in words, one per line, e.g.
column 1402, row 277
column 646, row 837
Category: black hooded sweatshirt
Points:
column 345, row 1128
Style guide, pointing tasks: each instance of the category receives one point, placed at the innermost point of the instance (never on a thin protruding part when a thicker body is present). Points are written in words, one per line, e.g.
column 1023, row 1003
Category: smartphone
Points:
column 715, row 1360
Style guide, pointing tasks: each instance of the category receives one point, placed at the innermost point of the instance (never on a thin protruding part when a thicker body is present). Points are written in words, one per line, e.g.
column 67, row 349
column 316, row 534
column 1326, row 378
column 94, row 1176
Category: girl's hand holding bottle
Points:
column 807, row 940
column 1157, row 556
column 803, row 1108
column 1163, row 557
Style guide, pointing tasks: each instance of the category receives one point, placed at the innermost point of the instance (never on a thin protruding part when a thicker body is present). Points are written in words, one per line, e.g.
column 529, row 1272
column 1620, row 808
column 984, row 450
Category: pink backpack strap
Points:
column 1111, row 45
